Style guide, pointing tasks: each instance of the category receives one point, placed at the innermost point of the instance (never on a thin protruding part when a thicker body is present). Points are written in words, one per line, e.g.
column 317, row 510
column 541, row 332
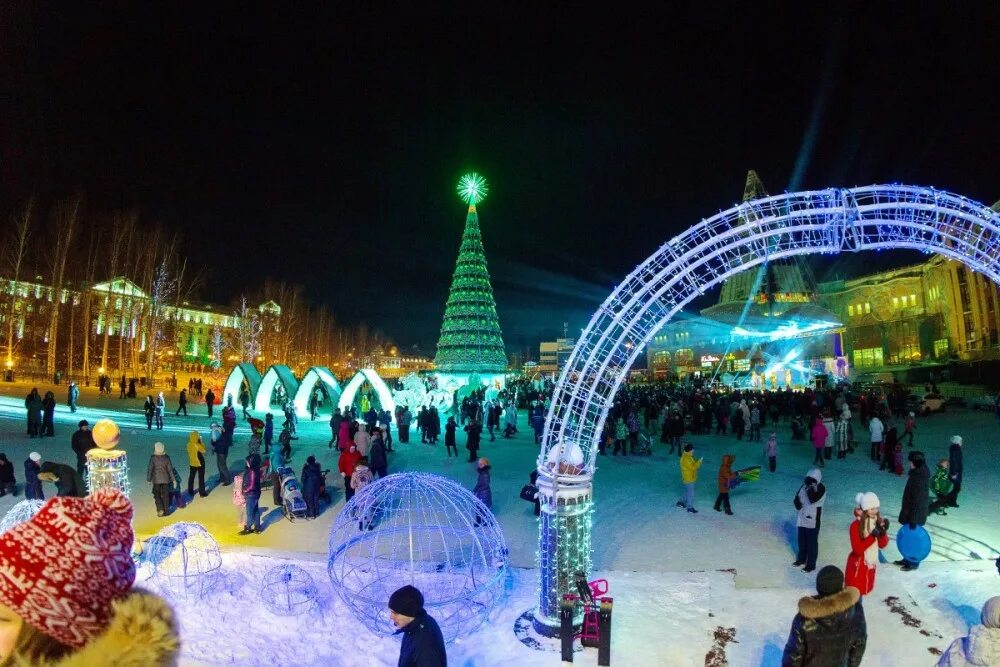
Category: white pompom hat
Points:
column 956, row 440
column 867, row 501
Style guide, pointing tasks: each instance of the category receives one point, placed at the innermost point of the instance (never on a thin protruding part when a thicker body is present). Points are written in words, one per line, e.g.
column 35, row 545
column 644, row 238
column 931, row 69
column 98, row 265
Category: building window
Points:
column 850, row 310
column 941, row 348
column 868, row 358
column 913, row 300
column 868, row 308
column 895, row 302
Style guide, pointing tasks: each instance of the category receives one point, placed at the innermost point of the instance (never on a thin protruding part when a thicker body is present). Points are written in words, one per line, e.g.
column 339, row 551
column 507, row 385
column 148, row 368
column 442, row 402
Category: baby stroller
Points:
column 643, row 445
column 292, row 503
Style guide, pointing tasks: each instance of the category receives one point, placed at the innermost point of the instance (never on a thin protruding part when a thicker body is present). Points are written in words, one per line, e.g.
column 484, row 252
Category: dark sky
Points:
column 320, row 143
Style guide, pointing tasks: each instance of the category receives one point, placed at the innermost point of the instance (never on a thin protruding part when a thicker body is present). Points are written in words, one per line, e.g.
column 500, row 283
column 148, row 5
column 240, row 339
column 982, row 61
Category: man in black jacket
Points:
column 82, row 442
column 916, row 500
column 423, row 644
column 67, row 480
column 830, row 628
column 955, row 469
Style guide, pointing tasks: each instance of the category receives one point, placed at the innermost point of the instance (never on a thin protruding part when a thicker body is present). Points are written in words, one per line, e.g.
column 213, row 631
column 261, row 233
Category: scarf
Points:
column 871, row 553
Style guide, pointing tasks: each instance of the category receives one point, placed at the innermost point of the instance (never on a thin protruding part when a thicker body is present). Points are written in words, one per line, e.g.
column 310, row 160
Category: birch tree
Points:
column 15, row 253
column 64, row 227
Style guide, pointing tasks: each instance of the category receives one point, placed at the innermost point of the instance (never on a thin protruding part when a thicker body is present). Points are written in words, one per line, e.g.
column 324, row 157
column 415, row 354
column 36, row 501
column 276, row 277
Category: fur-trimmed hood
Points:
column 142, row 633
column 821, row 607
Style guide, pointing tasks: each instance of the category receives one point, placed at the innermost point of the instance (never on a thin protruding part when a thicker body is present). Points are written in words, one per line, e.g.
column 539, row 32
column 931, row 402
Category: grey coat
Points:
column 160, row 469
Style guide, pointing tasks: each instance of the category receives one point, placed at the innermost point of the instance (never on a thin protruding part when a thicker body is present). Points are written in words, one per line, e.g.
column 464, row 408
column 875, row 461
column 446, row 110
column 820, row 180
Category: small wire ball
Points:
column 426, row 531
column 183, row 556
column 20, row 513
column 288, row 590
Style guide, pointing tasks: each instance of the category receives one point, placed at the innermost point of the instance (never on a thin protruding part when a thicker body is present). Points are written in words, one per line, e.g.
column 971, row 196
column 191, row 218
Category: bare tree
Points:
column 121, row 235
column 64, row 227
column 15, row 253
column 163, row 289
column 248, row 332
column 87, row 296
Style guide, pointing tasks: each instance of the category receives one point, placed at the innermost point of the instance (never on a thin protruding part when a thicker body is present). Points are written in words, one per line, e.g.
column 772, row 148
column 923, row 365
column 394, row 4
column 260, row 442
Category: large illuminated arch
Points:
column 275, row 374
column 377, row 383
column 800, row 223
column 315, row 375
column 241, row 373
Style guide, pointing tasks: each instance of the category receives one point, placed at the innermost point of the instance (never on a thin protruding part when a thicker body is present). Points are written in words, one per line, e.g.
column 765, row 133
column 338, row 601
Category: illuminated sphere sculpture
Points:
column 183, row 557
column 288, row 590
column 426, row 531
column 106, row 434
column 20, row 513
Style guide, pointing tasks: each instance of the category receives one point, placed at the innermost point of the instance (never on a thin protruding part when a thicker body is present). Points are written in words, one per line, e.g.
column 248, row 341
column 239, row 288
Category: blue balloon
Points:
column 915, row 545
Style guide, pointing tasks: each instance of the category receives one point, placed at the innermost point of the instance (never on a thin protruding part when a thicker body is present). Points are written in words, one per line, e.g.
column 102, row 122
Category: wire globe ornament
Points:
column 288, row 590
column 19, row 513
column 472, row 188
column 426, row 531
column 184, row 557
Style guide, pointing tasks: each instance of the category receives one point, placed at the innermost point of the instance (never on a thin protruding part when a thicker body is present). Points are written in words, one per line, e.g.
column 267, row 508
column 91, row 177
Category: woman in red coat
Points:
column 868, row 535
column 348, row 462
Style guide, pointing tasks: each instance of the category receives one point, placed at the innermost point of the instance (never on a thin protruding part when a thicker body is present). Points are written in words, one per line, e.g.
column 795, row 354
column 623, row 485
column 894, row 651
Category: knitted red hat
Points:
column 60, row 570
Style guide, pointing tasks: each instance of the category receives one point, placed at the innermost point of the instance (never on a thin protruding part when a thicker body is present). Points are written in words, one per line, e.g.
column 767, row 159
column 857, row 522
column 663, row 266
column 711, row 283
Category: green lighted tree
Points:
column 471, row 340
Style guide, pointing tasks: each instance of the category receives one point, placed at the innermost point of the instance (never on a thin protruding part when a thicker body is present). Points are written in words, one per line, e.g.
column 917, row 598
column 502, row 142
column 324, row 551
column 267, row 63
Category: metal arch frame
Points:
column 314, row 376
column 820, row 221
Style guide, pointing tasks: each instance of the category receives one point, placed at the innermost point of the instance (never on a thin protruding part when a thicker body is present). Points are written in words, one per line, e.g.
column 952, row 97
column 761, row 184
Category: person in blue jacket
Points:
column 423, row 644
column 33, row 485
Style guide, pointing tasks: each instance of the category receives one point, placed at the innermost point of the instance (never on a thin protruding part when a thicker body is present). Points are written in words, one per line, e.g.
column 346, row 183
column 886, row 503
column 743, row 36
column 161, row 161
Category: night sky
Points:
column 321, row 144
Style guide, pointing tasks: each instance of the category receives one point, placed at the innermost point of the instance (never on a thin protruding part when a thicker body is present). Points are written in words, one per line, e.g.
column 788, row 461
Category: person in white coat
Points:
column 877, row 431
column 809, row 500
column 982, row 646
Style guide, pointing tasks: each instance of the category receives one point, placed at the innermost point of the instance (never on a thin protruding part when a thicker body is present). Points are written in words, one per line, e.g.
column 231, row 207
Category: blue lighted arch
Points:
column 241, row 373
column 316, row 375
column 800, row 223
column 275, row 374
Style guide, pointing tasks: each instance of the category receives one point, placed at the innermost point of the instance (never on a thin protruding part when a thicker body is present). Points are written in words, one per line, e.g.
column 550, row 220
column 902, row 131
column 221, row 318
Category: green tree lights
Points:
column 471, row 341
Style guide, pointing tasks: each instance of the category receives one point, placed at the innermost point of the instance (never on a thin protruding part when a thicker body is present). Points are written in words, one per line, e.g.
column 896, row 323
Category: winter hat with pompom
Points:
column 61, row 570
column 956, row 440
column 991, row 613
column 35, row 456
column 867, row 501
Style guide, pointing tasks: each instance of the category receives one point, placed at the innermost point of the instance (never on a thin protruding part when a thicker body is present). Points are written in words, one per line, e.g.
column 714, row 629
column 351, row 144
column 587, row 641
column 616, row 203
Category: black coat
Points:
column 376, row 456
column 7, row 472
column 69, row 483
column 312, row 476
column 449, row 434
column 82, row 442
column 475, row 432
column 423, row 644
column 827, row 632
column 916, row 497
column 955, row 462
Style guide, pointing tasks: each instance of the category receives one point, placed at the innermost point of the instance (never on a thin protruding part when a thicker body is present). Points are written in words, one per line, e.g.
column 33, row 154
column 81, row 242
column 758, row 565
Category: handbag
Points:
column 528, row 492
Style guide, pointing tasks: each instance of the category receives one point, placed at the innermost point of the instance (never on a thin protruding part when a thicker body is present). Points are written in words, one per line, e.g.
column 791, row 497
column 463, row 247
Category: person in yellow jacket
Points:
column 196, row 457
column 689, row 475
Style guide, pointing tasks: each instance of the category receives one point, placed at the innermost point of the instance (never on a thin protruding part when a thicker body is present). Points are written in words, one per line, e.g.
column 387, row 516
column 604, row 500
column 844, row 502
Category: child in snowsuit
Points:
column 941, row 486
column 771, row 451
column 897, row 459
column 726, row 477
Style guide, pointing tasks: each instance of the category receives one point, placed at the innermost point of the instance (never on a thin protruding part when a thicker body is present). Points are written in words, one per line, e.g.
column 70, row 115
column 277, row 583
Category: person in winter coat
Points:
column 81, row 443
column 68, row 481
column 161, row 407
column 251, row 493
column 869, row 533
column 335, row 420
column 239, row 501
column 877, row 431
column 182, row 404
column 32, row 485
column 842, row 432
column 33, row 404
column 72, row 395
column 268, row 435
column 621, row 433
column 423, row 643
column 809, row 501
column 689, row 475
column 474, row 431
column 830, row 628
column 771, row 451
column 449, row 437
column 828, row 424
column 346, row 464
column 955, row 469
column 377, row 457
column 361, row 477
column 77, row 550
column 160, row 473
column 245, row 402
column 982, row 646
column 209, row 401
column 482, row 489
column 909, row 426
column 941, row 486
column 312, row 478
column 275, row 461
column 8, row 484
column 362, row 439
column 819, row 436
column 675, row 429
column 149, row 410
column 916, row 499
column 344, row 438
column 196, row 459
column 404, row 420
column 726, row 475
column 48, row 414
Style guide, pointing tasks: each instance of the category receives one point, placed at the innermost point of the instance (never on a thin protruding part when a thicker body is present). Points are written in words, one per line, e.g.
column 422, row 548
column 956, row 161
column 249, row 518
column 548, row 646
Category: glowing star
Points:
column 472, row 188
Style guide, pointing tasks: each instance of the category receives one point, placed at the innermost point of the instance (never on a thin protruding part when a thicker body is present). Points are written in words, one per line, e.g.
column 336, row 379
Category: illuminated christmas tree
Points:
column 470, row 340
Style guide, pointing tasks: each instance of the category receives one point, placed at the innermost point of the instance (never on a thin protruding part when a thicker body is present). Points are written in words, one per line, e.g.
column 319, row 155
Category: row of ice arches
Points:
column 262, row 387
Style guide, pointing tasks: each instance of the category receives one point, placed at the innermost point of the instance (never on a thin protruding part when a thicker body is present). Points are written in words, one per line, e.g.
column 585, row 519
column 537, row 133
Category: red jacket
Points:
column 348, row 461
column 858, row 573
column 819, row 434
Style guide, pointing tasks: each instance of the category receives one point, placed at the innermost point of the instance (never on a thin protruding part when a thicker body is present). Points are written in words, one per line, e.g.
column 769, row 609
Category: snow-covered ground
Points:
column 680, row 581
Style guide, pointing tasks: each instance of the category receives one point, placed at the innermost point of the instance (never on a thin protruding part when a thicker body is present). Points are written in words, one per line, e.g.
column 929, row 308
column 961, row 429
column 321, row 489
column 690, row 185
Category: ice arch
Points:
column 274, row 375
column 241, row 373
column 378, row 384
column 798, row 223
column 315, row 375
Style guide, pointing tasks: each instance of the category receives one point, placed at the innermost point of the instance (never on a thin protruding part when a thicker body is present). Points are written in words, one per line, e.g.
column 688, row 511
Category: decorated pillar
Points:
column 107, row 466
column 564, row 542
